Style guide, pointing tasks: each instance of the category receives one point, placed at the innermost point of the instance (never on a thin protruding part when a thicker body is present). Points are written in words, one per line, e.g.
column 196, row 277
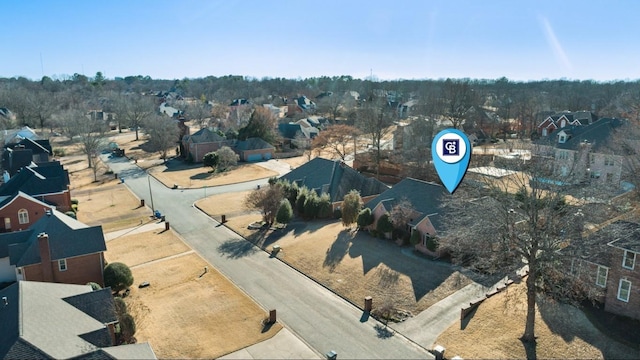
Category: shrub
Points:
column 285, row 212
column 59, row 152
column 415, row 237
column 365, row 218
column 324, row 206
column 94, row 286
column 384, row 224
column 117, row 276
column 71, row 214
column 432, row 243
column 127, row 328
column 337, row 213
column 311, row 206
column 74, row 201
column 301, row 199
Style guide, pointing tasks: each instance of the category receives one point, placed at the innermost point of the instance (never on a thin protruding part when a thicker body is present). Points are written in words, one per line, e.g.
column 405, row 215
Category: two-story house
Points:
column 56, row 248
column 609, row 267
column 47, row 182
column 567, row 118
column 582, row 154
column 20, row 211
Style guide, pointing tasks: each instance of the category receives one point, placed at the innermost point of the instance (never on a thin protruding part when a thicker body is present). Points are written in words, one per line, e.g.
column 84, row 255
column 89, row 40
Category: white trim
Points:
column 624, row 260
column 62, row 265
column 30, row 198
column 606, row 274
column 23, row 216
column 628, row 290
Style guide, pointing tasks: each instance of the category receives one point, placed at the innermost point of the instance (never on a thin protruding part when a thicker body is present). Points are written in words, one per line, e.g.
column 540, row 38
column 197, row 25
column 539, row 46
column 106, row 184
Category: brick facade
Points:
column 616, row 273
column 80, row 270
column 34, row 210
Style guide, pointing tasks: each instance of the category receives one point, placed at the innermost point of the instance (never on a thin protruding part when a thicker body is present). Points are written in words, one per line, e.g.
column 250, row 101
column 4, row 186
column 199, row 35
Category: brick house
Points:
column 561, row 120
column 609, row 266
column 254, row 149
column 56, row 248
column 581, row 154
column 47, row 182
column 61, row 321
column 335, row 178
column 201, row 142
column 425, row 199
column 20, row 211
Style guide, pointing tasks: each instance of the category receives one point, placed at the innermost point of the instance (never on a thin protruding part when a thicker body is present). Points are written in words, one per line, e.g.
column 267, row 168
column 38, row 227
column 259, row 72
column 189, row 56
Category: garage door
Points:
column 254, row 157
column 267, row 156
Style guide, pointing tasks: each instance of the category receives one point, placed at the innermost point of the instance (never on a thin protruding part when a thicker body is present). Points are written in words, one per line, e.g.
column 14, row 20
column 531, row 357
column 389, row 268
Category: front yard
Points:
column 351, row 263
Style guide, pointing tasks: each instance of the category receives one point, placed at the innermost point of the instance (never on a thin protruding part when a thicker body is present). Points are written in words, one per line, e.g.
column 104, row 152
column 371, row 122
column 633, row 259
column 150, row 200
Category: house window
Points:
column 7, row 223
column 608, row 161
column 624, row 290
column 595, row 175
column 629, row 260
column 23, row 216
column 563, row 155
column 562, row 139
column 62, row 264
column 601, row 277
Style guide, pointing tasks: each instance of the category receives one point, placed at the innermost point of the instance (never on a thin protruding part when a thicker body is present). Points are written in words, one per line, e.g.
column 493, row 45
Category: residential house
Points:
column 20, row 211
column 335, row 178
column 201, row 142
column 47, row 182
column 558, row 121
column 297, row 135
column 56, row 248
column 254, row 149
column 170, row 111
column 237, row 109
column 425, row 199
column 16, row 135
column 16, row 156
column 61, row 321
column 582, row 154
column 300, row 104
column 608, row 264
column 278, row 112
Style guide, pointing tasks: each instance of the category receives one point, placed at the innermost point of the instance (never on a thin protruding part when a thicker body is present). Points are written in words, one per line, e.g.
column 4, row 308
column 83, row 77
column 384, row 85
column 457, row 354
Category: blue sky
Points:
column 398, row 39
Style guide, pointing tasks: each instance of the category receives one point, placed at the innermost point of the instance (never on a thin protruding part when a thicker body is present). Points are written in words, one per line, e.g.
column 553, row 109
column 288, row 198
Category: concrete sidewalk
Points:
column 284, row 345
column 149, row 226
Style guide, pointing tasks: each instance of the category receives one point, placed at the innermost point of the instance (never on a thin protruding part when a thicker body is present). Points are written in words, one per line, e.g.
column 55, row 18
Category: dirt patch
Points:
column 198, row 176
column 563, row 331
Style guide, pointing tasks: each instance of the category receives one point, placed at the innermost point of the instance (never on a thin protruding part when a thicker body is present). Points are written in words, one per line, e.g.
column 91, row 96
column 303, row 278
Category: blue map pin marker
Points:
column 451, row 151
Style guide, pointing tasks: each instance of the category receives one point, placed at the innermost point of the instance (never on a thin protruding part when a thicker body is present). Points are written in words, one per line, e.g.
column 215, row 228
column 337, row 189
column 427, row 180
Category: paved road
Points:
column 324, row 320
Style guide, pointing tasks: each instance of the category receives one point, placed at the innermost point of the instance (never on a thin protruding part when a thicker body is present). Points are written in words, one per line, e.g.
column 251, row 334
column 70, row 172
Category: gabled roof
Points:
column 8, row 199
column 67, row 238
column 37, row 146
column 253, row 144
column 334, row 178
column 425, row 197
column 38, row 322
column 41, row 179
column 596, row 134
column 626, row 235
column 290, row 130
column 205, row 136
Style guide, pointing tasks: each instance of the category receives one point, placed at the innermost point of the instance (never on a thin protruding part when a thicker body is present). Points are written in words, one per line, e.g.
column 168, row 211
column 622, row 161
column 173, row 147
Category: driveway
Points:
column 322, row 319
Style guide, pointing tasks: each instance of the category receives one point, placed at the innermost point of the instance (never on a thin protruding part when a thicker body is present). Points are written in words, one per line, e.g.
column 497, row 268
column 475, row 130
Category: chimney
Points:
column 45, row 257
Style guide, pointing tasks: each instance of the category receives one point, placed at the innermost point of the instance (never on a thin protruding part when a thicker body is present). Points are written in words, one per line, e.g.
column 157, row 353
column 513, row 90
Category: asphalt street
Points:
column 324, row 320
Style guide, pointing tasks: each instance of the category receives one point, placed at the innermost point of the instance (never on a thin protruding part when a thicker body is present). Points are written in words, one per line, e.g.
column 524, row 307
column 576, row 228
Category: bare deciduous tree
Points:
column 374, row 119
column 267, row 200
column 513, row 223
column 335, row 139
column 133, row 110
column 162, row 134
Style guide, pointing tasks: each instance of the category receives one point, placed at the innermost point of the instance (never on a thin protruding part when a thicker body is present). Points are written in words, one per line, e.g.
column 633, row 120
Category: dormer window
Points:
column 562, row 138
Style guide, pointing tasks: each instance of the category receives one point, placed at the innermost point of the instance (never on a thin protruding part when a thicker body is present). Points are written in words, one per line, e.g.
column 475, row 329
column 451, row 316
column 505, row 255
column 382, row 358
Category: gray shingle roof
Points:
column 334, row 178
column 98, row 304
column 38, row 323
column 46, row 178
column 67, row 238
column 425, row 197
column 205, row 136
column 597, row 134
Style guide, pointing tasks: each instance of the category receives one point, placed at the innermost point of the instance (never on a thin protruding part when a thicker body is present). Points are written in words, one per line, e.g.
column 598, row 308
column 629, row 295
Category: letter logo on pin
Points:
column 451, row 151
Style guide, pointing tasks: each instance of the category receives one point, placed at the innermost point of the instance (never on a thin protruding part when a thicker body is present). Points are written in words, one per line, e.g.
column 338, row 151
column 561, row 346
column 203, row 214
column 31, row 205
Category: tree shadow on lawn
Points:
column 237, row 248
column 426, row 275
column 570, row 323
column 338, row 249
column 201, row 176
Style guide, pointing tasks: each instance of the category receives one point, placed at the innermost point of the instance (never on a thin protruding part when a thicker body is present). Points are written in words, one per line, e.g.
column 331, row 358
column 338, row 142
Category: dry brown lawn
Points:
column 353, row 264
column 111, row 205
column 142, row 248
column 198, row 176
column 562, row 331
